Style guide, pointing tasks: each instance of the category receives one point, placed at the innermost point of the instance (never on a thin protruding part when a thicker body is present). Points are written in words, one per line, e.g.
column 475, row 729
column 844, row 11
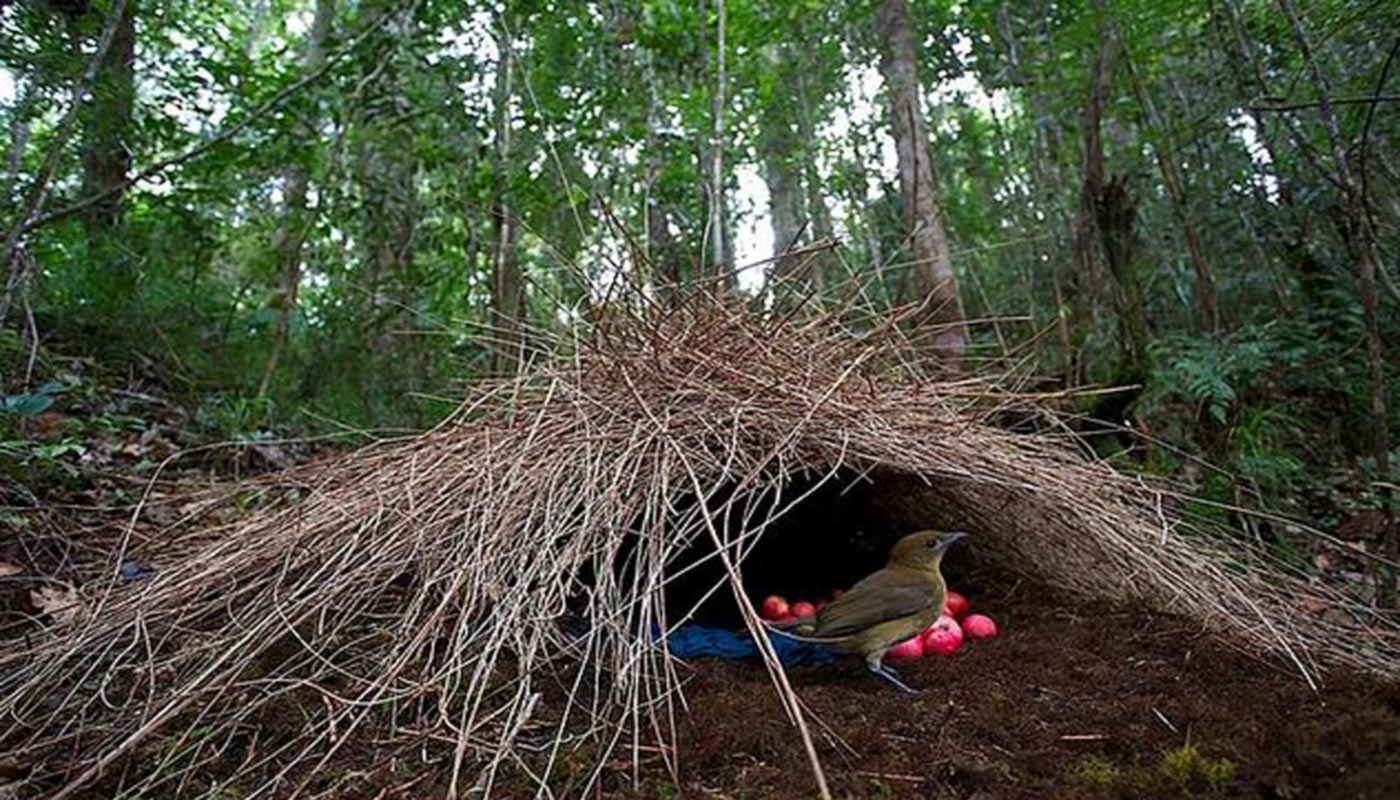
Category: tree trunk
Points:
column 1086, row 287
column 1116, row 220
column 1106, row 221
column 933, row 264
column 507, row 297
column 783, row 192
column 295, row 220
column 780, row 150
column 1361, row 240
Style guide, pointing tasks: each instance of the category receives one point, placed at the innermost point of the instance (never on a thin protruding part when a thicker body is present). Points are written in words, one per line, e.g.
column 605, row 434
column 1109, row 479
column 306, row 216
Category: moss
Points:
column 1095, row 772
column 1181, row 773
column 1187, row 767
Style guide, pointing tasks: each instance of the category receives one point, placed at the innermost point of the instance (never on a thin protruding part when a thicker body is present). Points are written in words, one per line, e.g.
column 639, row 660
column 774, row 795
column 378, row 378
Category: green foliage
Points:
column 236, row 417
column 611, row 109
column 1214, row 373
column 1252, row 399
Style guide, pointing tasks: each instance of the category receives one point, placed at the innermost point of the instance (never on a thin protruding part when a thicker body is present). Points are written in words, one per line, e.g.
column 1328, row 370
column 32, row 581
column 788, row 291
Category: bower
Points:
column 493, row 585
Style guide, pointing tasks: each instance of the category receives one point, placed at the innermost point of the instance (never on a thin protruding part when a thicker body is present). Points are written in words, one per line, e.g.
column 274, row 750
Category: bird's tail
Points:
column 801, row 630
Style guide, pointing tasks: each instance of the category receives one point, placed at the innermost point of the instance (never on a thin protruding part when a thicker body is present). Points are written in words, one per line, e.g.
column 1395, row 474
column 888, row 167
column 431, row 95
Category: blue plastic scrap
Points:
column 698, row 641
column 133, row 571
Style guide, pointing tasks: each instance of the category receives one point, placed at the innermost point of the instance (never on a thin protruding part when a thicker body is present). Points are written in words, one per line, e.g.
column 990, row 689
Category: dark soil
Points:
column 1080, row 702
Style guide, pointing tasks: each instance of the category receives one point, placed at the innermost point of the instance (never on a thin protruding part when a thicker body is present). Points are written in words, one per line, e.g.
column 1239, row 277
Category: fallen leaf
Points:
column 1313, row 604
column 60, row 601
column 8, row 570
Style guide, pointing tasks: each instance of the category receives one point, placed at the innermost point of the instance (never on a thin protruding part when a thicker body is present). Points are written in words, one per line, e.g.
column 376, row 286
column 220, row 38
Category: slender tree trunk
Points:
column 1045, row 194
column 856, row 196
column 295, row 219
column 717, row 234
column 387, row 165
column 1249, row 78
column 662, row 253
column 812, row 208
column 507, row 297
column 1238, row 60
column 106, row 161
column 21, row 125
column 1176, row 193
column 106, row 126
column 1361, row 238
column 933, row 263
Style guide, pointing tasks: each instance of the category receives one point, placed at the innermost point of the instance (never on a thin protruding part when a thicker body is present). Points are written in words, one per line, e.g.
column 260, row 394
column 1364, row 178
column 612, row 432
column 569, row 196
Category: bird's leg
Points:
column 879, row 669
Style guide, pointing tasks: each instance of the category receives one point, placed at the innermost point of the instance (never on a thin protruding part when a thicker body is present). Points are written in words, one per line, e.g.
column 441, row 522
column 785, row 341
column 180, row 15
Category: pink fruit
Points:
column 773, row 608
column 910, row 649
column 802, row 609
column 943, row 637
column 979, row 626
column 956, row 605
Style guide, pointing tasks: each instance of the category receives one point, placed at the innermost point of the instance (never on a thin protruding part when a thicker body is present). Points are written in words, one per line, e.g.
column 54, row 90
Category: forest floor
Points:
column 1073, row 701
column 1082, row 702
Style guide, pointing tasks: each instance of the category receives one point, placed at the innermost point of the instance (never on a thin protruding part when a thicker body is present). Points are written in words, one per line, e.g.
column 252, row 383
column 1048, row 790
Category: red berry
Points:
column 979, row 626
column 943, row 637
column 956, row 605
column 910, row 649
column 773, row 608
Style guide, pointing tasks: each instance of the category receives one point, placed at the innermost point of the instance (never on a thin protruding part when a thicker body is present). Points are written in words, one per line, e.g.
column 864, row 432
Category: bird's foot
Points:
column 892, row 677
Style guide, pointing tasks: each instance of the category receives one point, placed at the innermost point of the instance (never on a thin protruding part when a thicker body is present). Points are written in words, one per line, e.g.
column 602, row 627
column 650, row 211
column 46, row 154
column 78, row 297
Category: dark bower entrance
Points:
column 839, row 534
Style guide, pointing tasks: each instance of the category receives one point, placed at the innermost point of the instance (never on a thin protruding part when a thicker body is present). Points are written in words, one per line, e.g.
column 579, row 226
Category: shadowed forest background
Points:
column 293, row 217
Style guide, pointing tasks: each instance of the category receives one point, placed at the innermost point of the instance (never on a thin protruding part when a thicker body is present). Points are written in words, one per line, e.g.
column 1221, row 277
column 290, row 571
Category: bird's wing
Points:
column 881, row 596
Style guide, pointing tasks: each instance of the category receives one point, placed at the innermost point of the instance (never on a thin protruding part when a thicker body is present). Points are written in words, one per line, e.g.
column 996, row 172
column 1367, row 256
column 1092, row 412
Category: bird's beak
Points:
column 951, row 537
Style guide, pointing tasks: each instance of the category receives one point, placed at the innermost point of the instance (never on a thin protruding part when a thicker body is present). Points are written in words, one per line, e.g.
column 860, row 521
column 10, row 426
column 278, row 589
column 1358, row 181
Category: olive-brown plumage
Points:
column 887, row 606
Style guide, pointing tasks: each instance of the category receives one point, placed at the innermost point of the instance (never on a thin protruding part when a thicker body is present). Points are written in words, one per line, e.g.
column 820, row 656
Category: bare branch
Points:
column 1277, row 104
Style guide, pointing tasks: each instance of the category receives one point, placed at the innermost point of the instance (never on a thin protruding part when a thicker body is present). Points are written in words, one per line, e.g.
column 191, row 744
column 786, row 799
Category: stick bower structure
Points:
column 486, row 596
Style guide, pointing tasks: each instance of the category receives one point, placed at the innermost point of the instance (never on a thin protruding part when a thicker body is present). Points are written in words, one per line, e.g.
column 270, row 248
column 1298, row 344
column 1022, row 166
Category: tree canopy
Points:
column 327, row 212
